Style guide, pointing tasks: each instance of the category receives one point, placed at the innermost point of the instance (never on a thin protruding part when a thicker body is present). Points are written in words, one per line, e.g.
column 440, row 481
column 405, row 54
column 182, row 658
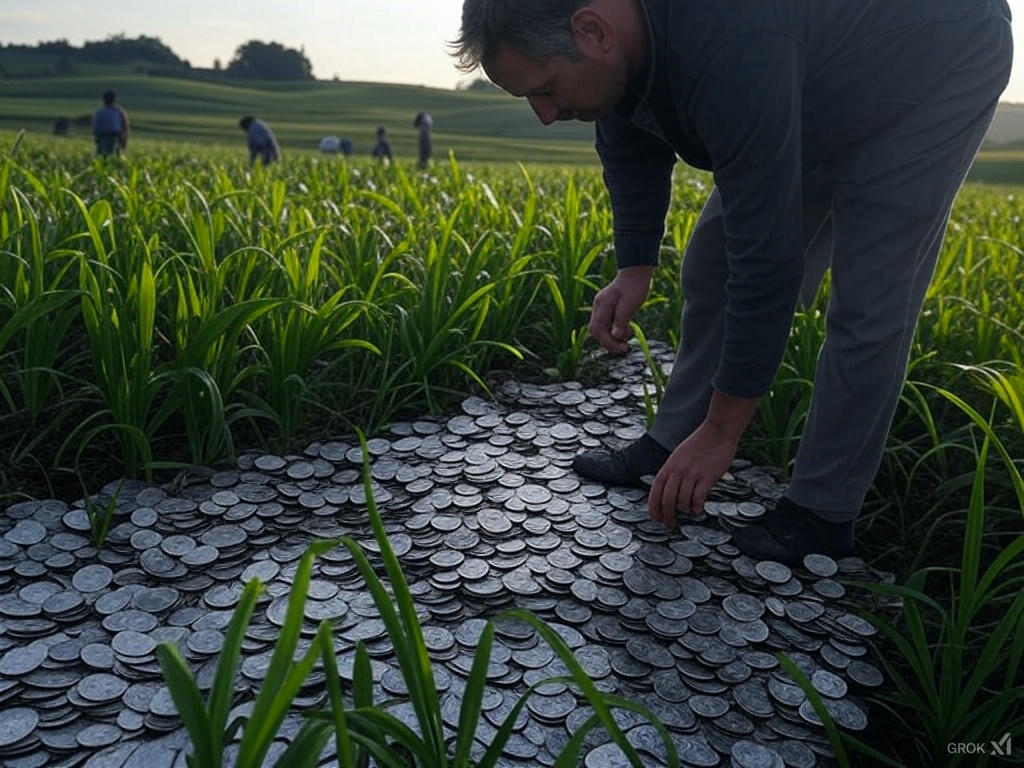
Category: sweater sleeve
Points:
column 638, row 175
column 746, row 109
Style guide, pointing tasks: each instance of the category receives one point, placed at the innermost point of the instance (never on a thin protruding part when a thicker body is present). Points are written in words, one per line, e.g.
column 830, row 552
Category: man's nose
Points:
column 545, row 109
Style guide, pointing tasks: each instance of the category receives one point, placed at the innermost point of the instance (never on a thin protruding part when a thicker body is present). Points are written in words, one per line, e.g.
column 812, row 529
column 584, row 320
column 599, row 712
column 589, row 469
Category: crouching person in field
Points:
column 261, row 140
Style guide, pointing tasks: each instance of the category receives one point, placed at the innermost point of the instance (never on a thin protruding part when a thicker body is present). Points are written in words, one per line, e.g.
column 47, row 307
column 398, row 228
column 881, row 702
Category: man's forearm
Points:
column 730, row 415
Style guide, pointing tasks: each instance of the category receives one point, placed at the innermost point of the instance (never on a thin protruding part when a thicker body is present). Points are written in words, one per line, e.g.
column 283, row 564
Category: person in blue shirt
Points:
column 261, row 140
column 843, row 127
column 110, row 126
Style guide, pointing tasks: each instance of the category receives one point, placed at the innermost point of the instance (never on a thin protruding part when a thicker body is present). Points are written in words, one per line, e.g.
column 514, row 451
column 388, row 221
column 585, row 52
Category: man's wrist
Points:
column 637, row 272
column 730, row 415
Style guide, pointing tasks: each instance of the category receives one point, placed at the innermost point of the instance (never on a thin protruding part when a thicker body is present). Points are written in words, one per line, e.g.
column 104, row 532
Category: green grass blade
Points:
column 473, row 696
column 347, row 757
column 819, row 708
column 362, row 678
column 569, row 757
column 416, row 666
column 281, row 673
column 189, row 704
column 223, row 690
column 505, row 730
column 594, row 697
column 306, row 747
column 273, row 705
column 374, row 722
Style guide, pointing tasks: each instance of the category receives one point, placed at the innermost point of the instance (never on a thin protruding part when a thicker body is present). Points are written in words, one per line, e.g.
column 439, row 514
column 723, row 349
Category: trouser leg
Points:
column 817, row 258
column 702, row 326
column 891, row 205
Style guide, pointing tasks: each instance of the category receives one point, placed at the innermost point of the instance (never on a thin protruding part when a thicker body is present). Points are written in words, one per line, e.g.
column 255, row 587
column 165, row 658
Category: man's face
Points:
column 559, row 88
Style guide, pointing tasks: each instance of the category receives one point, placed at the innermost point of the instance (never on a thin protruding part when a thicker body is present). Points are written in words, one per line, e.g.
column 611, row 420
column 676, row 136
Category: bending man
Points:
column 852, row 120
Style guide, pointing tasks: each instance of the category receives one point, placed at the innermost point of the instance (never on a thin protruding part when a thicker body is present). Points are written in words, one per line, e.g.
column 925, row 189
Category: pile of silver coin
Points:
column 485, row 513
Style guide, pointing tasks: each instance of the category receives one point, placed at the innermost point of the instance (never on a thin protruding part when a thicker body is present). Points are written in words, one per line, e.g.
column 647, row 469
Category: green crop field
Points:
column 172, row 307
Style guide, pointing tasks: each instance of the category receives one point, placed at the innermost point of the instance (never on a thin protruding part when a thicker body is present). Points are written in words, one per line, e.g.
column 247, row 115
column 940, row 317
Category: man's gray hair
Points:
column 535, row 28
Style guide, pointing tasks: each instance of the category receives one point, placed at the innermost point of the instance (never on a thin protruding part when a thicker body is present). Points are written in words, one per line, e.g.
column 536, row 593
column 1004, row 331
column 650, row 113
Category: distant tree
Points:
column 269, row 61
column 118, row 49
column 217, row 66
column 56, row 46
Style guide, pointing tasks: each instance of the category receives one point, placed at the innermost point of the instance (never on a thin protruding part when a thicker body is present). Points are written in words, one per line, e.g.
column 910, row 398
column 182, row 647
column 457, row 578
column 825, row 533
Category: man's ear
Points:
column 592, row 32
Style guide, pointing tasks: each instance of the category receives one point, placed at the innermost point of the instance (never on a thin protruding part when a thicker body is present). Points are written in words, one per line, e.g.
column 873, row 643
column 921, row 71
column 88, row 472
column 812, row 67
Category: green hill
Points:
column 477, row 125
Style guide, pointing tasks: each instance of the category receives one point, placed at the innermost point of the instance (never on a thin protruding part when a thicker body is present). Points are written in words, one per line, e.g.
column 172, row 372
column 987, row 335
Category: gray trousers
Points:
column 877, row 214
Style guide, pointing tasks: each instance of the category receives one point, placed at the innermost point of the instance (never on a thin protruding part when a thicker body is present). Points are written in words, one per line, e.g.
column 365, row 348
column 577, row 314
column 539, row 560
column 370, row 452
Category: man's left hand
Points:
column 686, row 478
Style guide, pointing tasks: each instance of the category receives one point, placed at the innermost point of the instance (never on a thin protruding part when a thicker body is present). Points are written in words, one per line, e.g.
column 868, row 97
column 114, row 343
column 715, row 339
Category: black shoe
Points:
column 623, row 467
column 790, row 532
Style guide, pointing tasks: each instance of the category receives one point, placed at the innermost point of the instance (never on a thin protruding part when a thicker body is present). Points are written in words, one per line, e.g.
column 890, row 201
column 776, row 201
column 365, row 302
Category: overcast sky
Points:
column 399, row 41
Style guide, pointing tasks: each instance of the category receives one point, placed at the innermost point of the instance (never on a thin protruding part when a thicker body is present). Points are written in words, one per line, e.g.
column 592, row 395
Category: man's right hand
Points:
column 615, row 305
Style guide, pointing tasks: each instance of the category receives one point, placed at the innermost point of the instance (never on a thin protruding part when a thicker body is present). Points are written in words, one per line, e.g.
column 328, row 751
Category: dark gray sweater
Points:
column 761, row 93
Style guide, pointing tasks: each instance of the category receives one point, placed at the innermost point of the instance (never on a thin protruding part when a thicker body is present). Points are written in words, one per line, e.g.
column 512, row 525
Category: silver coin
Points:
column 26, row 533
column 804, row 612
column 139, row 621
column 752, row 697
column 864, row 674
column 92, row 578
column 99, row 656
column 828, row 684
column 773, row 572
column 200, row 556
column 63, row 603
column 98, row 735
column 743, row 607
column 101, row 688
column 224, row 537
column 708, row 706
column 17, row 662
column 552, row 709
column 178, row 545
column 17, row 724
column 132, row 643
column 156, row 600
column 796, row 754
column 749, row 754
column 821, row 565
column 857, row 625
column 268, row 463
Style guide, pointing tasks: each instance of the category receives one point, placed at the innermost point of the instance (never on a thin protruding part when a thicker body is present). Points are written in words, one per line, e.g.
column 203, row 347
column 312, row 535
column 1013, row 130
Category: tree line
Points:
column 254, row 59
